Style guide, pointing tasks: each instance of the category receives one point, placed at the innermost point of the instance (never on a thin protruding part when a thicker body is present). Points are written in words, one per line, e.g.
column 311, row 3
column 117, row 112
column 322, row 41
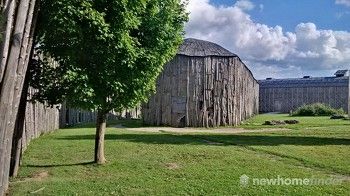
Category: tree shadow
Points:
column 248, row 140
column 129, row 123
column 60, row 165
column 81, row 126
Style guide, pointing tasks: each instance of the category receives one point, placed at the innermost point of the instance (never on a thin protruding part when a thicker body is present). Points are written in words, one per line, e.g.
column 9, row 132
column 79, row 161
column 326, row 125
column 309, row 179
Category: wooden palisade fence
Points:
column 39, row 119
column 16, row 44
column 285, row 95
column 22, row 120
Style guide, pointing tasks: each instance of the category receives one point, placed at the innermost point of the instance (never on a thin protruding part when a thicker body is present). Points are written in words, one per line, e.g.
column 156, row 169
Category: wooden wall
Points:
column 71, row 116
column 203, row 92
column 132, row 113
column 284, row 99
column 17, row 30
column 40, row 119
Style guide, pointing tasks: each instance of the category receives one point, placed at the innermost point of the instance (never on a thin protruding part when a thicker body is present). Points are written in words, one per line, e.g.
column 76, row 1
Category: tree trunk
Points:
column 100, row 137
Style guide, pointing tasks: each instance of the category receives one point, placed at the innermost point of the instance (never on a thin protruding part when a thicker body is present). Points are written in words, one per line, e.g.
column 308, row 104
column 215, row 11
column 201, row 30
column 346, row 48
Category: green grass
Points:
column 141, row 163
column 306, row 122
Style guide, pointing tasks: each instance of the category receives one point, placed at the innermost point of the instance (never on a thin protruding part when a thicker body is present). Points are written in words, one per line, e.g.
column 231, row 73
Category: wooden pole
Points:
column 15, row 49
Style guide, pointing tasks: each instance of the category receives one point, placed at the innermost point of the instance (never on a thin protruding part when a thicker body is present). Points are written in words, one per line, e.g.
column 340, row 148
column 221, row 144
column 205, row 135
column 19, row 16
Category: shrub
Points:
column 317, row 109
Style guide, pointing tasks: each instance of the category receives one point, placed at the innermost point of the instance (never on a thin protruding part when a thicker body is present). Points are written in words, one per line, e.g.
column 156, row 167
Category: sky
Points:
column 277, row 38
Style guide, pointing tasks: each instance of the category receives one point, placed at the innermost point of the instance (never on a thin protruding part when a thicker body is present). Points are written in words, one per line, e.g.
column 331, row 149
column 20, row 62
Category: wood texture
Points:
column 285, row 95
column 35, row 119
column 201, row 48
column 15, row 47
column 71, row 116
column 203, row 91
column 133, row 113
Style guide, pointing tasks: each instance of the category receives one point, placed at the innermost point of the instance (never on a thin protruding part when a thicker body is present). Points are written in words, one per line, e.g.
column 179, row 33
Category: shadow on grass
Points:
column 60, row 165
column 129, row 123
column 247, row 140
column 82, row 125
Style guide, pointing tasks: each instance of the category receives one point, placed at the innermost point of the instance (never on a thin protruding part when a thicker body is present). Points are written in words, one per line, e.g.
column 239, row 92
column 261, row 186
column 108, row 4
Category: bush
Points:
column 317, row 109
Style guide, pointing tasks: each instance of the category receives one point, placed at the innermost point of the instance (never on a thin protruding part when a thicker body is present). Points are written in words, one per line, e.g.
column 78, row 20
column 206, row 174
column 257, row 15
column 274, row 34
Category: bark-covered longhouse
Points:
column 285, row 95
column 204, row 85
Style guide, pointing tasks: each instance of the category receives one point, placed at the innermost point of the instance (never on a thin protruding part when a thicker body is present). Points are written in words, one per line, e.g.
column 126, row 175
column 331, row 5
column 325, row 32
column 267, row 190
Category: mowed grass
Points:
column 142, row 163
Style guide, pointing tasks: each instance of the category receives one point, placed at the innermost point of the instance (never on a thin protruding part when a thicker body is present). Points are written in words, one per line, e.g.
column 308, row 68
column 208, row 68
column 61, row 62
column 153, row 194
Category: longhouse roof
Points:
column 201, row 48
column 305, row 82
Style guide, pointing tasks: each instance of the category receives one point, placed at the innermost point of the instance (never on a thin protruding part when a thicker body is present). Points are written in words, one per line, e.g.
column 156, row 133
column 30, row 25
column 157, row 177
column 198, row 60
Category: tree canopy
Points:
column 109, row 52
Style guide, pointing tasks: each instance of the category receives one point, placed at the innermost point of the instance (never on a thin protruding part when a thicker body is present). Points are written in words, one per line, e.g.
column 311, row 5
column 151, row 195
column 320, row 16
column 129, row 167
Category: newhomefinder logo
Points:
column 245, row 180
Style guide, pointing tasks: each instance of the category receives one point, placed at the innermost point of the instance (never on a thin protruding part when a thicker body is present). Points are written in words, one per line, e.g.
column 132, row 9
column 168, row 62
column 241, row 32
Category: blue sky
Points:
column 289, row 13
column 277, row 38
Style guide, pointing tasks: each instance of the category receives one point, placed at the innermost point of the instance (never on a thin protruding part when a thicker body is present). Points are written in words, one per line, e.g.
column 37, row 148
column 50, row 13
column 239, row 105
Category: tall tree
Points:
column 17, row 28
column 110, row 53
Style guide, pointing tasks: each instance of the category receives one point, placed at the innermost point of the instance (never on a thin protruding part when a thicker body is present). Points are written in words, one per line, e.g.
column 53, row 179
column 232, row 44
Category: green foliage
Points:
column 110, row 52
column 317, row 109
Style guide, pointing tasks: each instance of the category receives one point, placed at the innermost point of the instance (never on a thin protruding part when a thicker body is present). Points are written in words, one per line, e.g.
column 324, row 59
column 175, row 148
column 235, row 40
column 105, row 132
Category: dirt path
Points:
column 229, row 130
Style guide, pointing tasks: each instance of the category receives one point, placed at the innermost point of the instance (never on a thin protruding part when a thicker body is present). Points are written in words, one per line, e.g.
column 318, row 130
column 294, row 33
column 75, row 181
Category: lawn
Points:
column 143, row 163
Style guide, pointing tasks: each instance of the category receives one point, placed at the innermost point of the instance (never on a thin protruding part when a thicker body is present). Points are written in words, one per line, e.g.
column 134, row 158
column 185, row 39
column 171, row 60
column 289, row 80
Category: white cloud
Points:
column 233, row 28
column 245, row 4
column 321, row 49
column 308, row 48
column 343, row 2
column 263, row 71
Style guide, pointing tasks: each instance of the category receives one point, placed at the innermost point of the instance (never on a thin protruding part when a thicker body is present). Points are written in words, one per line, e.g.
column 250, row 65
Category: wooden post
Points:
column 16, row 151
column 15, row 48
